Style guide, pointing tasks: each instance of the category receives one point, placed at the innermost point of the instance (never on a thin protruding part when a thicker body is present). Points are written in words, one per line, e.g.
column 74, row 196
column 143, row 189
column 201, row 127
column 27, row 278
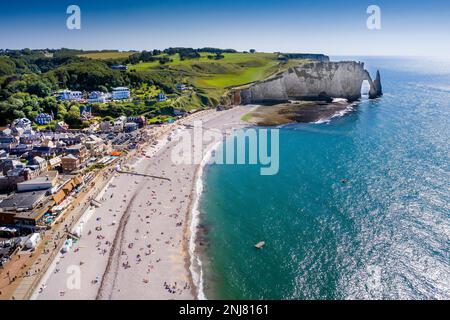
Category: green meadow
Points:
column 211, row 77
column 233, row 70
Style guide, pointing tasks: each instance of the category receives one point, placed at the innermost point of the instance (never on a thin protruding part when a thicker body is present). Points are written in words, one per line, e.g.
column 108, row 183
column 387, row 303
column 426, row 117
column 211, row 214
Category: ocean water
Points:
column 385, row 234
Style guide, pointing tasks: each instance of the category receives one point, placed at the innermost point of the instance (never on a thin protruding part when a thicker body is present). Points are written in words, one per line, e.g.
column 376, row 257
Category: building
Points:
column 23, row 123
column 70, row 163
column 22, row 201
column 8, row 142
column 97, row 97
column 79, row 151
column 61, row 127
column 105, row 126
column 181, row 87
column 68, row 95
column 41, row 163
column 24, row 209
column 54, row 163
column 47, row 149
column 130, row 127
column 120, row 93
column 118, row 126
column 43, row 118
column 140, row 120
column 43, row 182
column 161, row 97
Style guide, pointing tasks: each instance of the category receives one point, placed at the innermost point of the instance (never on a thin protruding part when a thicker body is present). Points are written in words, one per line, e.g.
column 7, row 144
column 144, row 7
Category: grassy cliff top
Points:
column 215, row 76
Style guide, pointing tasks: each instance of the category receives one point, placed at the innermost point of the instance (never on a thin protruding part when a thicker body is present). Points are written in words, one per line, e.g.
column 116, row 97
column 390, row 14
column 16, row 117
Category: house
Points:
column 21, row 149
column 68, row 95
column 105, row 126
column 69, row 138
column 97, row 146
column 161, row 97
column 54, row 163
column 43, row 118
column 79, row 151
column 16, row 175
column 6, row 132
column 118, row 126
column 97, row 97
column 30, row 138
column 93, row 142
column 130, row 126
column 41, row 163
column 46, row 149
column 9, row 163
column 23, row 123
column 140, row 120
column 120, row 93
column 43, row 182
column 61, row 127
column 8, row 142
column 70, row 163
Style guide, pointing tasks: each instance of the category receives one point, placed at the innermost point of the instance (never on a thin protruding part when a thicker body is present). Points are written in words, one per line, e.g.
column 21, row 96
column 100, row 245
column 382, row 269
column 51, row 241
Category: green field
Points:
column 106, row 55
column 233, row 70
column 214, row 77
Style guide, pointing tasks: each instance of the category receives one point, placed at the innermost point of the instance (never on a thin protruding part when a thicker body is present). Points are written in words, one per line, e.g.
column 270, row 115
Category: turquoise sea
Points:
column 384, row 234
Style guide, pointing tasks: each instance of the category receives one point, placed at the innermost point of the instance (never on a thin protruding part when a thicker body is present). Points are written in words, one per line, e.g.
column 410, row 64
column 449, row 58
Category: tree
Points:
column 62, row 112
column 73, row 117
column 7, row 66
column 252, row 50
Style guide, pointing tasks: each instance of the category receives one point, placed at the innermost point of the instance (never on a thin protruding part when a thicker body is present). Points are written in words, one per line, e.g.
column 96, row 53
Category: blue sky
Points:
column 413, row 28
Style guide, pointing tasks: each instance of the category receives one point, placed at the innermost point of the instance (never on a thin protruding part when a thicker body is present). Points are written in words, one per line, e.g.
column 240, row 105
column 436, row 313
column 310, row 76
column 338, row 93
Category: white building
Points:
column 43, row 182
column 97, row 97
column 68, row 95
column 118, row 126
column 23, row 123
column 120, row 93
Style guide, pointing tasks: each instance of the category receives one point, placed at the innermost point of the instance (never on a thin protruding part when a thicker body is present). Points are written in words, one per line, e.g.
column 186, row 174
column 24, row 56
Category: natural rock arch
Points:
column 312, row 81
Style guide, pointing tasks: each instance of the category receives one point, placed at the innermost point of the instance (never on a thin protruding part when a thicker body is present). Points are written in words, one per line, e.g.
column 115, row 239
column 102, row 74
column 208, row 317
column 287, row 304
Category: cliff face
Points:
column 313, row 81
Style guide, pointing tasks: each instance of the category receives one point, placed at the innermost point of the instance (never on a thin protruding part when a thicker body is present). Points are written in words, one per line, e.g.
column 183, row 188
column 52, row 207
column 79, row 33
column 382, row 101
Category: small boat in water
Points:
column 260, row 245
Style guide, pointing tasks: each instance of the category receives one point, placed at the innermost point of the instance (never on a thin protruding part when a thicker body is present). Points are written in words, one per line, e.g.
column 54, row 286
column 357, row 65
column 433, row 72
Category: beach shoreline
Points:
column 144, row 256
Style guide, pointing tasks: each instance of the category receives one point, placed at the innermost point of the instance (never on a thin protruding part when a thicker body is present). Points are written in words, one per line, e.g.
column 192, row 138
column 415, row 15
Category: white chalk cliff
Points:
column 313, row 81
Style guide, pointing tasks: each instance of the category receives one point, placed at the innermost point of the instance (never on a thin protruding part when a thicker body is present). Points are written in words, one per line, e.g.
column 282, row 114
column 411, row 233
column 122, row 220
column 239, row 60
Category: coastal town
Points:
column 48, row 176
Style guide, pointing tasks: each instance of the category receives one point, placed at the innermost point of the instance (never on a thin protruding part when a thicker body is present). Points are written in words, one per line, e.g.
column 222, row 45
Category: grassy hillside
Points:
column 106, row 55
column 28, row 79
column 216, row 75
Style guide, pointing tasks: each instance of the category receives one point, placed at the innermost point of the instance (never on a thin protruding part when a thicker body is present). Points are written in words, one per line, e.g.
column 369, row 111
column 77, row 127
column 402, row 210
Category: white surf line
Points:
column 197, row 276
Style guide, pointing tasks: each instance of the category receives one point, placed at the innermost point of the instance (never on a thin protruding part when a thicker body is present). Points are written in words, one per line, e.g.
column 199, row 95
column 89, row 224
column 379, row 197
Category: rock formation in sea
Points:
column 322, row 80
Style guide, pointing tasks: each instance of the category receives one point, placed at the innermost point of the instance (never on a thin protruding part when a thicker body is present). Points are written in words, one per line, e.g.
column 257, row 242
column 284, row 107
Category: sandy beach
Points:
column 135, row 244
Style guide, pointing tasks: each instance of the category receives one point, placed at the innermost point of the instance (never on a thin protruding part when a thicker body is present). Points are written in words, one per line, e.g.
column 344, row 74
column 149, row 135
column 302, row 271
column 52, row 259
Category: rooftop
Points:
column 23, row 200
column 49, row 176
